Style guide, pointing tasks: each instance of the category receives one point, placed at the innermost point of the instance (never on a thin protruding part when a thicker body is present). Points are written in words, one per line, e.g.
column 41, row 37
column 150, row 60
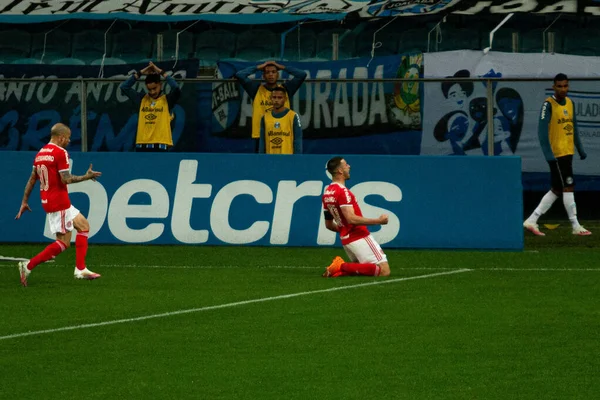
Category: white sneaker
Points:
column 24, row 272
column 86, row 274
column 581, row 231
column 533, row 228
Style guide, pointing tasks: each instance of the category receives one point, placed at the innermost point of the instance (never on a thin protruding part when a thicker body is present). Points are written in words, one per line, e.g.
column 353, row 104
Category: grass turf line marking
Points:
column 228, row 305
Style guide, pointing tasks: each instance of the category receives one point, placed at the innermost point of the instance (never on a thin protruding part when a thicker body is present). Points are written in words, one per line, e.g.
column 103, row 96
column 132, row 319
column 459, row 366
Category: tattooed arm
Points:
column 67, row 178
column 28, row 188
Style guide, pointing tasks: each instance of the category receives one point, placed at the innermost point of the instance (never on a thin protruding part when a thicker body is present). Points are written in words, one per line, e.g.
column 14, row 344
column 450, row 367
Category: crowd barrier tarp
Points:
column 384, row 117
column 250, row 199
column 29, row 109
column 272, row 11
column 455, row 115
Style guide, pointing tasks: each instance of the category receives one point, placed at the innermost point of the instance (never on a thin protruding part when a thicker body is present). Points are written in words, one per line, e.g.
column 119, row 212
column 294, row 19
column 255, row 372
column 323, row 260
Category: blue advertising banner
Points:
column 369, row 117
column 247, row 199
column 29, row 109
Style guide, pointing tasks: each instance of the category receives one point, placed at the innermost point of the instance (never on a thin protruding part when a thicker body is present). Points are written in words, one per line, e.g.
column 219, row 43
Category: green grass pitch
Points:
column 167, row 322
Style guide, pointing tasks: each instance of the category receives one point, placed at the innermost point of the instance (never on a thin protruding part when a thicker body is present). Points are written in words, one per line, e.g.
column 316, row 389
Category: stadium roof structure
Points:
column 272, row 11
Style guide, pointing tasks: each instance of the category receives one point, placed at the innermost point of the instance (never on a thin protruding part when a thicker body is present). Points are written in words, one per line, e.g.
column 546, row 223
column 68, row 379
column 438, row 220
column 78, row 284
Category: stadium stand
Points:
column 14, row 44
column 133, row 45
column 186, row 45
column 88, row 45
column 58, row 45
column 300, row 44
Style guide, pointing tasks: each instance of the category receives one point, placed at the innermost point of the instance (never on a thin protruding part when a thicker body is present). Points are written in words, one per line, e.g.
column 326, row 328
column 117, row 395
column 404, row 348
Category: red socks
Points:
column 81, row 246
column 49, row 252
column 361, row 269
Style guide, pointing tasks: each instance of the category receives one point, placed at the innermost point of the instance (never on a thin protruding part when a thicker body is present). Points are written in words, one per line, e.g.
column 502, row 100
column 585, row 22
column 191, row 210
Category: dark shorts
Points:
column 561, row 172
column 151, row 148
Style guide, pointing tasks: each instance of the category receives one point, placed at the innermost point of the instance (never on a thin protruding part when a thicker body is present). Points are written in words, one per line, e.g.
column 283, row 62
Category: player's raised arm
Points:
column 67, row 178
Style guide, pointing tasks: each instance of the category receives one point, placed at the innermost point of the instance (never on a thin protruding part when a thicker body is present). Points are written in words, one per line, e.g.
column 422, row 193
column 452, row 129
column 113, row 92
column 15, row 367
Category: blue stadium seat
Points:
column 346, row 41
column 108, row 61
column 209, row 56
column 388, row 43
column 255, row 54
column 14, row 44
column 58, row 45
column 88, row 45
column 582, row 42
column 315, row 59
column 503, row 40
column 255, row 39
column 416, row 40
column 186, row 45
column 300, row 44
column 327, row 54
column 220, row 38
column 132, row 45
column 68, row 61
column 28, row 61
column 532, row 41
column 459, row 39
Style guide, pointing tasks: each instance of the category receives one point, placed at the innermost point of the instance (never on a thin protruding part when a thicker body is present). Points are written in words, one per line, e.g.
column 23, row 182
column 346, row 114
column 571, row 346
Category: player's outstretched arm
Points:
column 67, row 178
column 26, row 193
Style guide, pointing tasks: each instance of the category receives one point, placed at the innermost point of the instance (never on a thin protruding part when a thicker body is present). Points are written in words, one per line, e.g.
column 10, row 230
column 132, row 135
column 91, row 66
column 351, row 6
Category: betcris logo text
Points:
column 202, row 202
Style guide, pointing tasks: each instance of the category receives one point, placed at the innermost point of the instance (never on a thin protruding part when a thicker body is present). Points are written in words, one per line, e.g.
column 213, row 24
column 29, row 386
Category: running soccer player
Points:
column 558, row 135
column 51, row 167
column 343, row 215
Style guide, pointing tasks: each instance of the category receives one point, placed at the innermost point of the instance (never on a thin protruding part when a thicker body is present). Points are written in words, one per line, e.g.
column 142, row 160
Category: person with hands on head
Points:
column 155, row 108
column 51, row 167
column 559, row 137
column 260, row 92
column 343, row 215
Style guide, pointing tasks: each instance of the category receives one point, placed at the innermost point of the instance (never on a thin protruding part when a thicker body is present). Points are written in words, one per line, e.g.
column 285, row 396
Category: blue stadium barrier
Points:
column 248, row 199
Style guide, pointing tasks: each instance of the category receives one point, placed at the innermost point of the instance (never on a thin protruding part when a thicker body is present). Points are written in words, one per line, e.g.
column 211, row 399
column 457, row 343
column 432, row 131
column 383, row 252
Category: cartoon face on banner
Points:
column 464, row 126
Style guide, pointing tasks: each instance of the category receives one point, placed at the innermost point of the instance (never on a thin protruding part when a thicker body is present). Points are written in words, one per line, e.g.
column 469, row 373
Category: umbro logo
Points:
column 277, row 141
column 150, row 117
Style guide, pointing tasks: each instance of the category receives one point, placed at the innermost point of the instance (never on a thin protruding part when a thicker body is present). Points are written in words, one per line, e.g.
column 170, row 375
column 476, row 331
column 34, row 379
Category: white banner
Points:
column 455, row 115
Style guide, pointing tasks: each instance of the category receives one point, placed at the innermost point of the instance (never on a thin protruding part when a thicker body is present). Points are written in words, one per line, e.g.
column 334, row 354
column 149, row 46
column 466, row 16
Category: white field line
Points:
column 227, row 305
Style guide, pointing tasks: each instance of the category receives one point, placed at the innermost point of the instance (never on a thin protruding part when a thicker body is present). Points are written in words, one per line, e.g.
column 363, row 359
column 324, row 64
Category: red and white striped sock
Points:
column 51, row 251
column 81, row 246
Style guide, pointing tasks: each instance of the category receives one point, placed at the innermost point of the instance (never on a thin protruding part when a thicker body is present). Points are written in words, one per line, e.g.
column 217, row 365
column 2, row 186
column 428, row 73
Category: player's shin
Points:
column 367, row 269
column 48, row 253
column 81, row 247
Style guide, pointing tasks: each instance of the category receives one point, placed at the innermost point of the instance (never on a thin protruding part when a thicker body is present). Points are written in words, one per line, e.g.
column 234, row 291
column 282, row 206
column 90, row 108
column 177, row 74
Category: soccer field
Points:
column 260, row 323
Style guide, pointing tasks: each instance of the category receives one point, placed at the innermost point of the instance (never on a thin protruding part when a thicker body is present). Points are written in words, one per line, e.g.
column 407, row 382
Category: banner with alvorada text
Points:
column 455, row 113
column 331, row 109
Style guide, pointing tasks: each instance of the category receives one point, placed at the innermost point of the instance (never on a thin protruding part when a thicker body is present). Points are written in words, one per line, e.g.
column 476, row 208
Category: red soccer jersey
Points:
column 335, row 197
column 49, row 162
